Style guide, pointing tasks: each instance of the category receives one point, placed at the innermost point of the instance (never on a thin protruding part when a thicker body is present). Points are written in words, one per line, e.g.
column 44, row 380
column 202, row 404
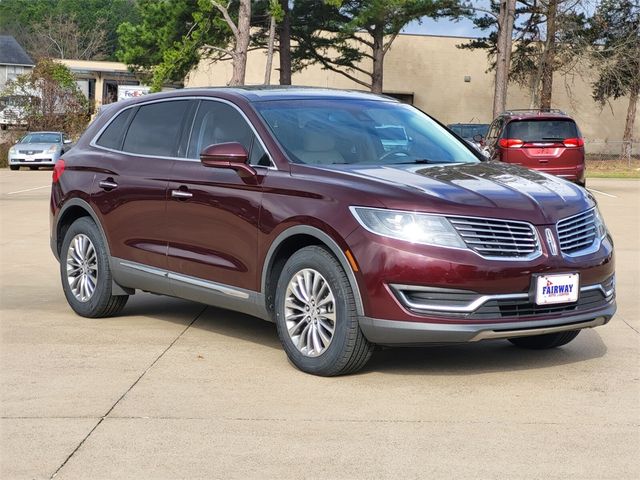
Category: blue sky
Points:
column 462, row 28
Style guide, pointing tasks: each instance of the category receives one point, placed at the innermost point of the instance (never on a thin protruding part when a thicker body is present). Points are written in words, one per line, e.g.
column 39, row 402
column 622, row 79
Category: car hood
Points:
column 490, row 189
column 34, row 146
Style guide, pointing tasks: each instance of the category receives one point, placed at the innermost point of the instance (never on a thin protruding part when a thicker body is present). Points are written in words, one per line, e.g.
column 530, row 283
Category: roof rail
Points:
column 514, row 111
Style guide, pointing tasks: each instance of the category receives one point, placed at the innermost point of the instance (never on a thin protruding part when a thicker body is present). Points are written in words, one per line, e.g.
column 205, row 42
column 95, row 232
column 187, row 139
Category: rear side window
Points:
column 542, row 130
column 113, row 134
column 155, row 130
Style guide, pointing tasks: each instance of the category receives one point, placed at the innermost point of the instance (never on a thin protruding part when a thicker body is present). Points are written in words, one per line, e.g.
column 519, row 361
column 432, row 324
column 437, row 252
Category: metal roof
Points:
column 11, row 53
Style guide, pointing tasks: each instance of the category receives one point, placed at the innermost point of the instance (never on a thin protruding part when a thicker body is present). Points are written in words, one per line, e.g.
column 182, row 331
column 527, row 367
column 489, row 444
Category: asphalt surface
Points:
column 174, row 389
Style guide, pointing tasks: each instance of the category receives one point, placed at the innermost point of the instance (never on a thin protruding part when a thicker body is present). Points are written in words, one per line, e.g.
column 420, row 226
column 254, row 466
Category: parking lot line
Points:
column 27, row 190
column 602, row 193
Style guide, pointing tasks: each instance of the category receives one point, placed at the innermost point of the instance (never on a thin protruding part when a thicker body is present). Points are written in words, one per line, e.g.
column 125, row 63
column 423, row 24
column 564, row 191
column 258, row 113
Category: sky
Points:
column 462, row 28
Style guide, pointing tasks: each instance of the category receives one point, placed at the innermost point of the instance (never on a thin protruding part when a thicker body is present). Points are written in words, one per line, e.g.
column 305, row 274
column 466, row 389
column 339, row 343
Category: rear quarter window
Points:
column 542, row 130
column 114, row 133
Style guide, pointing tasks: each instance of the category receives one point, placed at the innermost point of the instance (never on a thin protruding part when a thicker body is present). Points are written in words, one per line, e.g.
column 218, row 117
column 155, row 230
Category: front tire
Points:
column 14, row 167
column 543, row 342
column 85, row 273
column 316, row 315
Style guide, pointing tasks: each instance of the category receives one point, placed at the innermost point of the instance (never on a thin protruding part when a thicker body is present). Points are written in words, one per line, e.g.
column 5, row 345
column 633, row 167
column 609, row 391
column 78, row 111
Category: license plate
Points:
column 557, row 288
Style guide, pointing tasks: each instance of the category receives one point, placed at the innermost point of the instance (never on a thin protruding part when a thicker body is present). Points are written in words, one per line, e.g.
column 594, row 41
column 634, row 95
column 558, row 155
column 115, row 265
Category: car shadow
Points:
column 460, row 359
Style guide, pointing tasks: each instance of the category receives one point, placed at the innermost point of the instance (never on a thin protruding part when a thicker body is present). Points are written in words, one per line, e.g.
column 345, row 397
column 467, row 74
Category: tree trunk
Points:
column 284, row 44
column 549, row 57
column 242, row 43
column 627, row 138
column 377, row 71
column 503, row 55
column 272, row 35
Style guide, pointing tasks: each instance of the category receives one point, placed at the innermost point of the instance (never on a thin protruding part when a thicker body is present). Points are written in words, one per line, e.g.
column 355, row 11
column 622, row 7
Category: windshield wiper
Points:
column 417, row 161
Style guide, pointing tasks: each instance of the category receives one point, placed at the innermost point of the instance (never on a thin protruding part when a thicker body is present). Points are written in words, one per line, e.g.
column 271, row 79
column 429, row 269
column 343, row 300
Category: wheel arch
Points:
column 69, row 213
column 292, row 240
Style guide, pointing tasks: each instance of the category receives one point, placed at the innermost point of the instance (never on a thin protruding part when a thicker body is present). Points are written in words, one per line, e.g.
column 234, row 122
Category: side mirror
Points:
column 66, row 141
column 228, row 155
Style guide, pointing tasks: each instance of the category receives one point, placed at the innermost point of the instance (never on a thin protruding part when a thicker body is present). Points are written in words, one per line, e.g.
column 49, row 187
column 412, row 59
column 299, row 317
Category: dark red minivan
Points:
column 348, row 219
column 544, row 140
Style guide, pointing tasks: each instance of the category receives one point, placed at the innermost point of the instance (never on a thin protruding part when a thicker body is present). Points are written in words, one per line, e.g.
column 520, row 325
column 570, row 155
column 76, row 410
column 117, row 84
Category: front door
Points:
column 213, row 213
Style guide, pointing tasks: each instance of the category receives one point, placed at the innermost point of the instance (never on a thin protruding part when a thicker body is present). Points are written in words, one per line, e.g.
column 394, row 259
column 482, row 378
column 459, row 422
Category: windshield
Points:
column 326, row 132
column 42, row 138
column 539, row 130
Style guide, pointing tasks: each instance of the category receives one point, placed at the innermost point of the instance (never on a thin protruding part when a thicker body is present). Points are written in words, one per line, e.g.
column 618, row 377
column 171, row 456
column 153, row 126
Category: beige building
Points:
column 99, row 80
column 451, row 84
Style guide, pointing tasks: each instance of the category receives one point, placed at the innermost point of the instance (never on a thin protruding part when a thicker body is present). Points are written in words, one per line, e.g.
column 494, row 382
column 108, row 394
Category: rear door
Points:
column 543, row 143
column 213, row 213
column 130, row 187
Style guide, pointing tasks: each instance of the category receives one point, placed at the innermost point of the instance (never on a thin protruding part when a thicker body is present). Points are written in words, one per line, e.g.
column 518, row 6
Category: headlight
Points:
column 599, row 222
column 52, row 149
column 12, row 150
column 408, row 226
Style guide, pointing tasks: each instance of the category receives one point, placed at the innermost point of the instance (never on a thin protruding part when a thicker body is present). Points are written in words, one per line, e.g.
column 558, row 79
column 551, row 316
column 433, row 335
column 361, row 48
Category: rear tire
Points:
column 543, row 342
column 316, row 315
column 14, row 167
column 85, row 273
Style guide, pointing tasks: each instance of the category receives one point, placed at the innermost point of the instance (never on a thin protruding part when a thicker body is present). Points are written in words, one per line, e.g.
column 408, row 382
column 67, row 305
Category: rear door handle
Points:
column 181, row 194
column 107, row 184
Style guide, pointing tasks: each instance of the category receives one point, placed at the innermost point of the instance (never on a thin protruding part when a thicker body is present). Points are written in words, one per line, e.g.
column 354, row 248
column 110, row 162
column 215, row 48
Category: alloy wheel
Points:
column 82, row 267
column 309, row 312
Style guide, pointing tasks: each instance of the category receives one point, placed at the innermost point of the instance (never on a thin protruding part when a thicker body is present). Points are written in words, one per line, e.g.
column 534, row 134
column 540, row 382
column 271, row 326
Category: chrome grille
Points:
column 497, row 238
column 30, row 152
column 578, row 232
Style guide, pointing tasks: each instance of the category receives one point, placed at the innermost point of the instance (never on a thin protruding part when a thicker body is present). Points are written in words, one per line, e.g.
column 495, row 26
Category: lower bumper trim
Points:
column 395, row 333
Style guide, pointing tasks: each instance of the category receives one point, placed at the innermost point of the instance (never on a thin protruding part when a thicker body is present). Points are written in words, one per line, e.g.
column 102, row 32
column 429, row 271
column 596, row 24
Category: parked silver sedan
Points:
column 38, row 149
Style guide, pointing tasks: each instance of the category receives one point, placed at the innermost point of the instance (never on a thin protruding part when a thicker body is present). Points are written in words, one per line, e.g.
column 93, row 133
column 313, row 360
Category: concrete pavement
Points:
column 173, row 389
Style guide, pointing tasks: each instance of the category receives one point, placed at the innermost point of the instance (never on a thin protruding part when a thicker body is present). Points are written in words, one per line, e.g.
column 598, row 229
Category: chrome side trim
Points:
column 475, row 304
column 186, row 279
column 208, row 284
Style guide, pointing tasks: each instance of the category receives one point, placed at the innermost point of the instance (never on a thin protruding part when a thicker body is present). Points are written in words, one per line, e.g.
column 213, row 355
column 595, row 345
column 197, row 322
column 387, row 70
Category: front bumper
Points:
column 45, row 160
column 395, row 333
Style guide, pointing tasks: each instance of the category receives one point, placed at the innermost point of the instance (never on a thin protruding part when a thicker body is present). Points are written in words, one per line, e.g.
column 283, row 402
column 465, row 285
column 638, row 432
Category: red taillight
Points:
column 57, row 170
column 510, row 143
column 573, row 142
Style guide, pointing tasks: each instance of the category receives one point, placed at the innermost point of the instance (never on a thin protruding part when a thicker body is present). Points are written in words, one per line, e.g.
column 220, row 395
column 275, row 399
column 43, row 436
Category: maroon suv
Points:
column 346, row 218
column 544, row 140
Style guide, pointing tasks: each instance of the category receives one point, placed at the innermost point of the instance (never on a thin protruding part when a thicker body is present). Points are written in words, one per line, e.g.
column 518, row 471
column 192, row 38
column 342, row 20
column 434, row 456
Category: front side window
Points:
column 360, row 132
column 156, row 128
column 217, row 122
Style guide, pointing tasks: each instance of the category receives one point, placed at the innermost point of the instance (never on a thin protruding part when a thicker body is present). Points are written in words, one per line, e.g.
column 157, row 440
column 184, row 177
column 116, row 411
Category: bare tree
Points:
column 241, row 37
column 506, row 18
column 59, row 36
column 284, row 43
column 276, row 15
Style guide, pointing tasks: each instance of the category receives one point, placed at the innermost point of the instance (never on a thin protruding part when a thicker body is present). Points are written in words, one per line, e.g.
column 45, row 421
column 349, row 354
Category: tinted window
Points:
column 362, row 131
column 112, row 136
column 540, row 130
column 258, row 155
column 217, row 122
column 155, row 130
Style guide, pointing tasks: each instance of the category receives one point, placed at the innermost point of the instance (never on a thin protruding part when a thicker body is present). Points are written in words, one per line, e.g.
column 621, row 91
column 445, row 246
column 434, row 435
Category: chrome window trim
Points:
column 95, row 138
column 526, row 258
